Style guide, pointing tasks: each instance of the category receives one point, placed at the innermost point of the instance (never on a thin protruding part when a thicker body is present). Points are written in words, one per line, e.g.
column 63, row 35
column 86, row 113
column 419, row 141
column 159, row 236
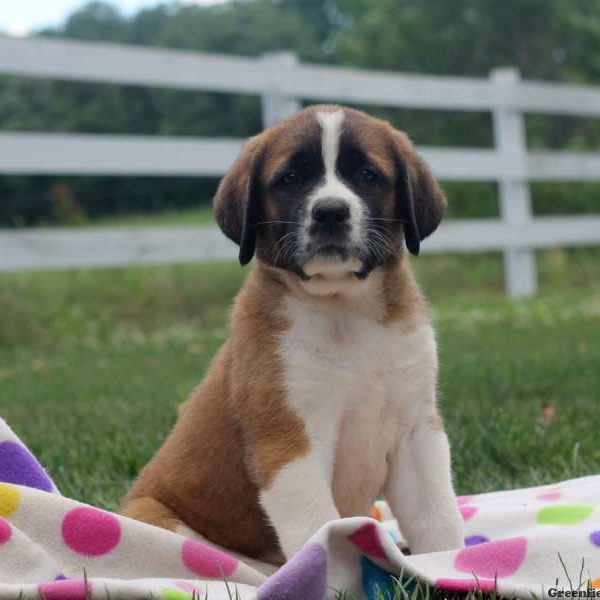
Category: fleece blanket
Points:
column 535, row 542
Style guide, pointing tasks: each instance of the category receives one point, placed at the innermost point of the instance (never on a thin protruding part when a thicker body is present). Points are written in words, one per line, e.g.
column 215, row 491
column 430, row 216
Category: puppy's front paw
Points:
column 438, row 534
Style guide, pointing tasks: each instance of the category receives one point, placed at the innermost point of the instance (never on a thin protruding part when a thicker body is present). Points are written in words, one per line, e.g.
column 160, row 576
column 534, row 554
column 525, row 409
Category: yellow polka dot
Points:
column 9, row 499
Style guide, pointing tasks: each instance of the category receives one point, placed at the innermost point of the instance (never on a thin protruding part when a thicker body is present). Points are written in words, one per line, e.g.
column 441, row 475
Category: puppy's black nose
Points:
column 330, row 212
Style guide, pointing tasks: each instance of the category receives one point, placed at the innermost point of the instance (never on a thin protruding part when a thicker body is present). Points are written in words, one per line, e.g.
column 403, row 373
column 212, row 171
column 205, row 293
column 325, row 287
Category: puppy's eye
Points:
column 368, row 175
column 289, row 178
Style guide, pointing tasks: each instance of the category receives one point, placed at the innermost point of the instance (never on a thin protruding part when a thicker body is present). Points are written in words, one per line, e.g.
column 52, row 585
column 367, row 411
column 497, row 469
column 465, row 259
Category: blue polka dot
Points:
column 377, row 583
column 394, row 535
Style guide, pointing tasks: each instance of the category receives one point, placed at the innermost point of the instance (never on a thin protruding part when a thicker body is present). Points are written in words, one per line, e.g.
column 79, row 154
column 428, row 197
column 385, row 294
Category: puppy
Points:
column 324, row 395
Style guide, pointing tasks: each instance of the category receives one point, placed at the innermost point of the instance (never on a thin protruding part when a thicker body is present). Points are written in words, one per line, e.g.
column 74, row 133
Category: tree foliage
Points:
column 558, row 40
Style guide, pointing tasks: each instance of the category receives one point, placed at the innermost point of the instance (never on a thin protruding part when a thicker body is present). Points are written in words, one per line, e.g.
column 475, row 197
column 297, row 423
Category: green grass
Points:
column 94, row 363
column 202, row 215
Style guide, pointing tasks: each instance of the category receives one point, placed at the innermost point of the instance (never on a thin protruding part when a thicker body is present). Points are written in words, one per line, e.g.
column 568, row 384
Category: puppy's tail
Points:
column 149, row 510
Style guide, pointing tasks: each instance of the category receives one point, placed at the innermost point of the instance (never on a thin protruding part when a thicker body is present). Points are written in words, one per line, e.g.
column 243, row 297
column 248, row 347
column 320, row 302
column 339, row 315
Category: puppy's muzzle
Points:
column 330, row 214
column 330, row 222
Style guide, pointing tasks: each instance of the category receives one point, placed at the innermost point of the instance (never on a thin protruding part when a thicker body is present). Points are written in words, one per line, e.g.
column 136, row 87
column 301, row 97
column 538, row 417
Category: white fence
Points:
column 280, row 81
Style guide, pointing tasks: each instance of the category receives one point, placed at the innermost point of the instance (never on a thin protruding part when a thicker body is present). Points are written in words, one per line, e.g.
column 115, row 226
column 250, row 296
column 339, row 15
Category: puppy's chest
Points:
column 344, row 362
column 350, row 379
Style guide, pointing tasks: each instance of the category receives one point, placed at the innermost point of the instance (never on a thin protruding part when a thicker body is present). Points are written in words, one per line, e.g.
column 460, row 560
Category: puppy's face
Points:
column 327, row 192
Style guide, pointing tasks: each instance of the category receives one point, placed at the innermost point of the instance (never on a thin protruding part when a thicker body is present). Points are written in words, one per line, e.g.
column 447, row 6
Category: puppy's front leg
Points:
column 419, row 489
column 298, row 499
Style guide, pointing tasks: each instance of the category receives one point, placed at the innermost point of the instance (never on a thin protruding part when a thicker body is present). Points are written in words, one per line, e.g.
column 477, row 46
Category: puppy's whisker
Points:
column 274, row 222
column 384, row 220
column 282, row 239
column 283, row 244
column 380, row 242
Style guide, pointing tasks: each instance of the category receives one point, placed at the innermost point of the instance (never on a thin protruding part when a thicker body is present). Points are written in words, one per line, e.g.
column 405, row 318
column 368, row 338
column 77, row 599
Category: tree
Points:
column 558, row 40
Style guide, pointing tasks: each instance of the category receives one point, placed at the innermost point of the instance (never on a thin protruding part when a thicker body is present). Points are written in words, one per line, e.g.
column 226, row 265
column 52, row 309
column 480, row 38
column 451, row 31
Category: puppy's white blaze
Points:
column 331, row 126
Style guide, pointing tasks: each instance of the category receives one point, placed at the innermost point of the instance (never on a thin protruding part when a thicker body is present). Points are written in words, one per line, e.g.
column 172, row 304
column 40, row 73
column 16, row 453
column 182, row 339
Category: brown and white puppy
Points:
column 324, row 395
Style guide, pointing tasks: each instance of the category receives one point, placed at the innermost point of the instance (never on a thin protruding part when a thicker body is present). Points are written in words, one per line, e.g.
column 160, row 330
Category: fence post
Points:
column 275, row 106
column 520, row 272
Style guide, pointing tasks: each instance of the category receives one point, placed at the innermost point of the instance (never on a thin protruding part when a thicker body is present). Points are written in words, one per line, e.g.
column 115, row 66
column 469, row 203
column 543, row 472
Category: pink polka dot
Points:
column 90, row 531
column 467, row 512
column 5, row 531
column 188, row 587
column 466, row 585
column 68, row 589
column 206, row 561
column 366, row 538
column 550, row 496
column 494, row 559
column 464, row 499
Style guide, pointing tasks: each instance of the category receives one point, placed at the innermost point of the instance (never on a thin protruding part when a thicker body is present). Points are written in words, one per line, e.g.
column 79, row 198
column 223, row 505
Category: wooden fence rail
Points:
column 282, row 84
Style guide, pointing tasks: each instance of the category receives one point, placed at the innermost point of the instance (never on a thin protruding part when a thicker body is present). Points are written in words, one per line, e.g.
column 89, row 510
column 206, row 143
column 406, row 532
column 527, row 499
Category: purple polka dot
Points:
column 595, row 538
column 304, row 576
column 60, row 577
column 18, row 466
column 473, row 540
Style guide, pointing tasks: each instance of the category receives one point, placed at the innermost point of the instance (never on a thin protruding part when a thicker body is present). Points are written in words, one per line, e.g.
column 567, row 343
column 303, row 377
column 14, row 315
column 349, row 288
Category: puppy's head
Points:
column 330, row 190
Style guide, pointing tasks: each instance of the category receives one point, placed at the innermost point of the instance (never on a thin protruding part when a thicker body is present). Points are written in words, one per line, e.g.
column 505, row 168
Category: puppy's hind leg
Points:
column 150, row 510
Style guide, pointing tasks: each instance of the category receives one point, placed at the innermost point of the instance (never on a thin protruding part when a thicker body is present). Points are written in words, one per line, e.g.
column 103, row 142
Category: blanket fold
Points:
column 520, row 543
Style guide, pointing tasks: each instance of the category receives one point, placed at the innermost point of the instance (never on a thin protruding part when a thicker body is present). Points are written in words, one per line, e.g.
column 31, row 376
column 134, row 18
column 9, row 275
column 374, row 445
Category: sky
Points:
column 19, row 17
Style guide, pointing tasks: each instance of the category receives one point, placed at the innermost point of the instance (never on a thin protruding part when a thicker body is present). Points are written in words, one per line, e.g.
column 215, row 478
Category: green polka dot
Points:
column 174, row 594
column 564, row 514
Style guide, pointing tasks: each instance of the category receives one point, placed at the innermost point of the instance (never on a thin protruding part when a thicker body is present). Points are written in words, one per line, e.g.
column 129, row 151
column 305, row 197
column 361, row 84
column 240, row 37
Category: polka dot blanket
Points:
column 535, row 542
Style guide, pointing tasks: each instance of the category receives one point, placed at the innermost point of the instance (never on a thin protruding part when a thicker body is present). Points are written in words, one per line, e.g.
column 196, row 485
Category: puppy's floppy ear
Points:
column 236, row 204
column 420, row 201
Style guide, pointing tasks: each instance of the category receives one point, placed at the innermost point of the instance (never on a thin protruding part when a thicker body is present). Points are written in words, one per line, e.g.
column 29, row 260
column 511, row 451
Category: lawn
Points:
column 94, row 363
column 202, row 215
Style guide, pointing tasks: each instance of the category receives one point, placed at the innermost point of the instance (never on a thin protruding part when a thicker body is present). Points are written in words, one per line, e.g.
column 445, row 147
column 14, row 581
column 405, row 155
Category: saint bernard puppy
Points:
column 323, row 397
